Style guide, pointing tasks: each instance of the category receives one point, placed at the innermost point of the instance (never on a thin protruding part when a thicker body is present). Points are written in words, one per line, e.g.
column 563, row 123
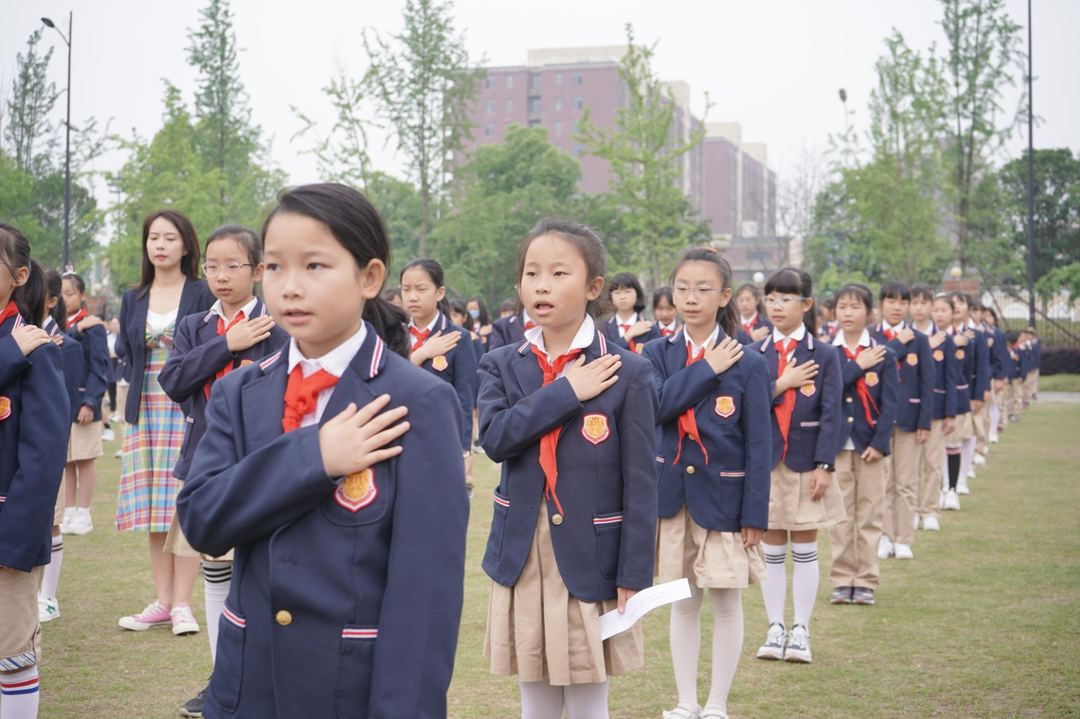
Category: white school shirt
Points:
column 336, row 361
column 582, row 339
column 797, row 335
column 670, row 328
column 694, row 349
column 634, row 318
column 429, row 328
column 864, row 341
column 885, row 326
column 219, row 310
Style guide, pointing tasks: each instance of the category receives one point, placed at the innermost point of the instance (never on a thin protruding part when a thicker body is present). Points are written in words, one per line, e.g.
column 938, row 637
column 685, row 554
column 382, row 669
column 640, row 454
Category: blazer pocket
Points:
column 229, row 666
column 608, row 542
column 731, row 492
column 498, row 524
column 357, row 656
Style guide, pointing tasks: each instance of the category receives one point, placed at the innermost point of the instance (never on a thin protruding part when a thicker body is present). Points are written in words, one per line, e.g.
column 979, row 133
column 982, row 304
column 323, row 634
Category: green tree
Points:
column 423, row 83
column 642, row 149
column 399, row 205
column 503, row 191
column 32, row 99
column 342, row 154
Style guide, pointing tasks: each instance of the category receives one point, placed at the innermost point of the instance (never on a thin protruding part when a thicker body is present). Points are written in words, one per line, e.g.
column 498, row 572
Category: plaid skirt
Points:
column 151, row 447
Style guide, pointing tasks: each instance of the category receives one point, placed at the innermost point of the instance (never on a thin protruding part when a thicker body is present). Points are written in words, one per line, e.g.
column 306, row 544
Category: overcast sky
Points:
column 775, row 66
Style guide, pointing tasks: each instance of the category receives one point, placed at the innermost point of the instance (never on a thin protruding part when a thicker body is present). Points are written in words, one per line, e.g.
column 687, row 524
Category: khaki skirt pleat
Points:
column 791, row 504
column 709, row 559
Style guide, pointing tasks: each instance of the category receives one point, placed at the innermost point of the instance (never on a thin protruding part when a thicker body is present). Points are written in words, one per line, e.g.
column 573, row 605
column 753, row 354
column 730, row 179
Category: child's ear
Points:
column 725, row 296
column 372, row 278
column 260, row 268
column 595, row 287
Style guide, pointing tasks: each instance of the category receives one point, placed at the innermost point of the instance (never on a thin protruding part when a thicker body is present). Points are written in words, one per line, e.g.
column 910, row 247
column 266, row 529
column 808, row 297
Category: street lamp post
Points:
column 67, row 147
column 1031, row 189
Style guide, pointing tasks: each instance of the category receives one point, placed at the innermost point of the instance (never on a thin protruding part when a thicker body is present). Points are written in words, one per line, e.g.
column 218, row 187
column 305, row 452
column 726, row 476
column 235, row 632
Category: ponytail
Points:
column 389, row 322
column 54, row 285
column 29, row 297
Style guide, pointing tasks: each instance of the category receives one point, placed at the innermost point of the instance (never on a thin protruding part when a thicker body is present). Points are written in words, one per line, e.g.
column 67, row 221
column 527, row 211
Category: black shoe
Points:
column 193, row 707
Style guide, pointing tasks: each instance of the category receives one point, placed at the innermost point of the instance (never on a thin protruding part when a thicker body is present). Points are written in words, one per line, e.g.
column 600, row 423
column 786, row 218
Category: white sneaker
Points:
column 775, row 641
column 951, row 500
column 994, row 438
column 798, row 648
column 107, row 435
column 971, row 473
column 931, row 524
column 885, row 548
column 903, row 551
column 682, row 713
column 65, row 525
column 114, row 417
column 962, row 486
column 48, row 609
column 81, row 523
column 119, row 453
column 980, row 460
column 916, row 521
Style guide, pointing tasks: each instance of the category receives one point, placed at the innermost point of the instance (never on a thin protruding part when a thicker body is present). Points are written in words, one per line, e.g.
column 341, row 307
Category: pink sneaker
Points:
column 154, row 615
column 183, row 621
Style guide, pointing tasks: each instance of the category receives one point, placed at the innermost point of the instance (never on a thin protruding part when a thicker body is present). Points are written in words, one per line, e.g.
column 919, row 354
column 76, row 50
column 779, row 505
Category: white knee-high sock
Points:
column 50, row 578
column 727, row 644
column 995, row 418
column 19, row 694
column 586, row 701
column 685, row 637
column 967, row 457
column 774, row 588
column 218, row 576
column 540, row 700
column 804, row 580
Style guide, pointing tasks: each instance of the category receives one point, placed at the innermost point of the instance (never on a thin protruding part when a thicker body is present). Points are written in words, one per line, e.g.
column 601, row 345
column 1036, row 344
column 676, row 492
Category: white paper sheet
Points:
column 641, row 604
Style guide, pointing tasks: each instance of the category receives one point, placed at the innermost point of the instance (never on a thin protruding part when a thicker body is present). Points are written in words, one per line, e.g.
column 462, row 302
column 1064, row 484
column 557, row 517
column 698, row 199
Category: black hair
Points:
column 484, row 319
column 947, row 298
column 829, row 303
column 859, row 291
column 356, row 224
column 1012, row 336
column 391, row 292
column 990, row 311
column 628, row 280
column 189, row 263
column 435, row 271
column 896, row 290
column 958, row 295
column 30, row 296
column 584, row 240
column 795, row 281
column 726, row 315
column 80, row 285
column 509, row 305
column 921, row 290
column 459, row 307
column 246, row 238
column 54, row 283
column 662, row 293
column 750, row 287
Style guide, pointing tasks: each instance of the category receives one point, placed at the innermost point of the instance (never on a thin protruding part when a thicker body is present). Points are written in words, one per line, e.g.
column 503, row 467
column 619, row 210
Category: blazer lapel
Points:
column 264, row 404
column 527, row 370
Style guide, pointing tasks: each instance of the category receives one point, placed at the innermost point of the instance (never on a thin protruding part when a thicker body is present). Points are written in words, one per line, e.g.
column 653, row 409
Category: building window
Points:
column 577, row 150
column 558, row 127
column 534, row 123
column 510, row 81
column 578, row 79
column 558, row 79
column 578, row 104
column 509, row 105
column 489, row 106
column 489, row 82
column 558, row 103
column 534, row 81
column 489, row 130
column 534, row 105
column 576, row 130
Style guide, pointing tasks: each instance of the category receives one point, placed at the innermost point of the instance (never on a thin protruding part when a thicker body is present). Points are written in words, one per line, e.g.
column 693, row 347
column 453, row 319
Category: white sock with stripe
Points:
column 774, row 586
column 19, row 695
column 685, row 637
column 727, row 644
column 804, row 580
column 51, row 576
column 218, row 576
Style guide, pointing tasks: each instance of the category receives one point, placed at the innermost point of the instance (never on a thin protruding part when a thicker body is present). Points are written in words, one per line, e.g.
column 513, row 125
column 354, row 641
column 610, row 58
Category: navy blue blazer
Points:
column 94, row 381
column 999, row 354
column 347, row 592
column 882, row 381
column 915, row 398
column 946, row 373
column 742, row 336
column 71, row 365
column 815, row 419
column 506, row 331
column 458, row 367
column 610, row 328
column 731, row 491
column 607, row 485
column 198, row 354
column 35, row 420
column 131, row 343
column 974, row 372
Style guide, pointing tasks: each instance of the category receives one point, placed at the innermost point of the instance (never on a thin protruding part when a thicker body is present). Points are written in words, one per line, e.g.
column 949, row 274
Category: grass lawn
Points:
column 1059, row 383
column 983, row 623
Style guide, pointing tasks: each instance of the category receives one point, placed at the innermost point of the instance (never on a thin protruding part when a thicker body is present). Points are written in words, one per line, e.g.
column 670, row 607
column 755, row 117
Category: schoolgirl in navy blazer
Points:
column 324, row 595
column 915, row 397
column 458, row 367
column 881, row 382
column 131, row 343
column 974, row 367
column 758, row 320
column 731, row 490
column 508, row 330
column 815, row 419
column 95, row 368
column 610, row 328
column 71, row 364
column 946, row 371
column 199, row 353
column 606, row 536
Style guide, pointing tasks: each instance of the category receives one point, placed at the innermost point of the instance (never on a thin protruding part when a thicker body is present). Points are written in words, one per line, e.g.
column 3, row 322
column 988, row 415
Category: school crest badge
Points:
column 594, row 428
column 959, row 354
column 725, row 406
column 912, row 359
column 5, row 407
column 871, row 379
column 808, row 389
column 246, row 362
column 439, row 363
column 357, row 491
column 939, row 355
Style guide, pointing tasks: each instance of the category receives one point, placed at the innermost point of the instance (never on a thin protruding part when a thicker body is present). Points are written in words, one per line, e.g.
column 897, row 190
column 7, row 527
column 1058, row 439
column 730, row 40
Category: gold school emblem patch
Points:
column 871, row 379
column 594, row 428
column 725, row 406
column 912, row 359
column 245, row 363
column 939, row 355
column 959, row 354
column 439, row 363
column 808, row 389
column 5, row 407
column 357, row 491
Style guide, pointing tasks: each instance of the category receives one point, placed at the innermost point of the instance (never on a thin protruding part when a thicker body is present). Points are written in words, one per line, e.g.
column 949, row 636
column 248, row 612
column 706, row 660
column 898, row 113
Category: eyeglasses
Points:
column 781, row 302
column 226, row 270
column 702, row 292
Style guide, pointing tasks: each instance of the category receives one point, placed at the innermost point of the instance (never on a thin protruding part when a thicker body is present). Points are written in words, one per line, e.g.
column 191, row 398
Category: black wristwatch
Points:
column 826, row 466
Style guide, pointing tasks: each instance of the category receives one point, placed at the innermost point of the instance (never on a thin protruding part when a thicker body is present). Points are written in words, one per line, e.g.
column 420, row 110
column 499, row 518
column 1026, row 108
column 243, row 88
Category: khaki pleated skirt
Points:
column 964, row 429
column 538, row 630
column 709, row 559
column 176, row 543
column 791, row 504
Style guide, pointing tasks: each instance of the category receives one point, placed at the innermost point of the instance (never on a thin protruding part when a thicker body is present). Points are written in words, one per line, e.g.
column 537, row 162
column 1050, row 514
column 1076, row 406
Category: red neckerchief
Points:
column 633, row 345
column 302, row 395
column 529, row 324
column 687, row 421
column 665, row 332
column 81, row 314
column 550, row 441
column 222, row 328
column 9, row 311
column 861, row 388
column 890, row 335
column 419, row 337
column 785, row 408
column 749, row 326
